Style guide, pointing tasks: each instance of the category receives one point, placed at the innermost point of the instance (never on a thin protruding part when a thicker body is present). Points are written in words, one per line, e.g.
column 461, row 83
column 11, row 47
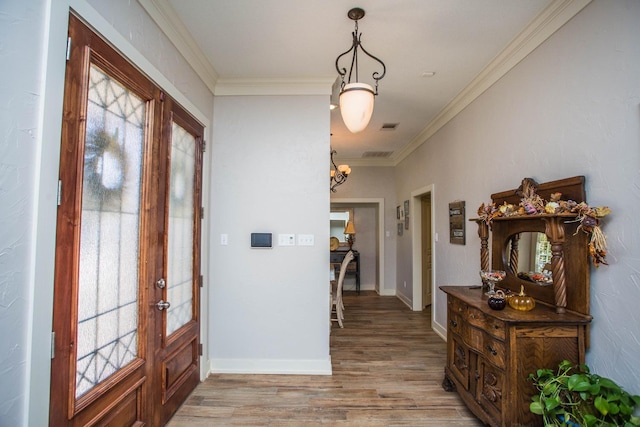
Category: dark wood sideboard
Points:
column 490, row 353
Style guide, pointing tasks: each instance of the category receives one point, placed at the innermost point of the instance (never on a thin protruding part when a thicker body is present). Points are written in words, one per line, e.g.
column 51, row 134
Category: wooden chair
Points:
column 337, row 306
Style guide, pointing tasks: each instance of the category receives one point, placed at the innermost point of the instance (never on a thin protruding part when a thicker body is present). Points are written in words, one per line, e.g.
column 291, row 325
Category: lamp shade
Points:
column 356, row 105
column 349, row 229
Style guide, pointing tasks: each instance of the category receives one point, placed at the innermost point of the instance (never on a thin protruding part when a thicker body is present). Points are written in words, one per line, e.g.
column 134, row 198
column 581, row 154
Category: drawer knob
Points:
column 496, row 327
column 454, row 323
column 492, row 350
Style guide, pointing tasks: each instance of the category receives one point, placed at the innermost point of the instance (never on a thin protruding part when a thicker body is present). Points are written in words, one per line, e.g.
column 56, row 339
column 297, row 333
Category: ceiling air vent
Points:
column 377, row 154
column 389, row 126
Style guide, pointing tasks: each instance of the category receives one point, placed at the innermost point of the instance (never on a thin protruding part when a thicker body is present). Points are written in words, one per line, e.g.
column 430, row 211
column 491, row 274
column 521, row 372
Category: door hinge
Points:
column 201, row 280
column 200, row 349
column 53, row 345
column 68, row 48
column 201, row 212
column 59, row 192
column 204, row 145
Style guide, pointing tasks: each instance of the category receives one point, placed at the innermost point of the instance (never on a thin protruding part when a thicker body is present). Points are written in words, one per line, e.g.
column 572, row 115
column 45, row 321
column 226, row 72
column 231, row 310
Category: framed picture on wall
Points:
column 399, row 229
column 398, row 212
column 406, row 214
column 456, row 223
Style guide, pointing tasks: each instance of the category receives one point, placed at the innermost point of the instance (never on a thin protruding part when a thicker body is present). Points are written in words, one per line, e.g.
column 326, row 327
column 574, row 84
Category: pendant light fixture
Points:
column 357, row 98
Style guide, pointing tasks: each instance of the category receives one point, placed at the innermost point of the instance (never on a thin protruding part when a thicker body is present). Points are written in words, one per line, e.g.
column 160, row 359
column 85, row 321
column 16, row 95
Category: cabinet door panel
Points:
column 459, row 360
column 490, row 389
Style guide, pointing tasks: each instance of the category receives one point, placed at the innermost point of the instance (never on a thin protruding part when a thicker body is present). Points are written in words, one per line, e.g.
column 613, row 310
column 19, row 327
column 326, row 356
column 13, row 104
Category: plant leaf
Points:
column 601, row 405
column 551, row 403
column 578, row 382
column 590, row 420
column 536, row 408
column 606, row 382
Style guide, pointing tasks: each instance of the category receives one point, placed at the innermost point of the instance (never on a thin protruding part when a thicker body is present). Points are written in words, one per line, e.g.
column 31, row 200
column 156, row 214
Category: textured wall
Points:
column 20, row 100
column 270, row 164
column 570, row 108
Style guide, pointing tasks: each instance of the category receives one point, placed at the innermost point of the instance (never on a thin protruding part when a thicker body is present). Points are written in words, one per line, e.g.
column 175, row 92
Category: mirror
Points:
column 338, row 218
column 529, row 257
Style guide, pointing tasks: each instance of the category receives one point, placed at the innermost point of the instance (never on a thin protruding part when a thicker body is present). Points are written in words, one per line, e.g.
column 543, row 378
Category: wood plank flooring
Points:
column 387, row 371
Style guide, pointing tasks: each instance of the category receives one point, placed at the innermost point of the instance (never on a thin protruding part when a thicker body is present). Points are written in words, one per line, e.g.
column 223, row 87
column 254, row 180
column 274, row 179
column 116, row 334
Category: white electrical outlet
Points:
column 224, row 239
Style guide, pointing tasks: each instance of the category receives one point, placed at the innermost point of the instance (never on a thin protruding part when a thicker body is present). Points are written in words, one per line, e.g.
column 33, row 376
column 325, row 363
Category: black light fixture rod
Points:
column 356, row 43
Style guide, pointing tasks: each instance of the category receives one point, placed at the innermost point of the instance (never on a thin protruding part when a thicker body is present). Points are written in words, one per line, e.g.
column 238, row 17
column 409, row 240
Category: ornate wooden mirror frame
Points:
column 569, row 263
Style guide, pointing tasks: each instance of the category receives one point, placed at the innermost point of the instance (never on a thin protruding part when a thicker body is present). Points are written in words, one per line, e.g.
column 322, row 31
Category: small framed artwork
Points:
column 406, row 214
column 399, row 229
column 456, row 223
column 398, row 212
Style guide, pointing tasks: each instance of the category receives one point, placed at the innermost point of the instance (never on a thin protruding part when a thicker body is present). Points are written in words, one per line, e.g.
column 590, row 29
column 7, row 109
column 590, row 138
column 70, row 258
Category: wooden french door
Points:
column 126, row 293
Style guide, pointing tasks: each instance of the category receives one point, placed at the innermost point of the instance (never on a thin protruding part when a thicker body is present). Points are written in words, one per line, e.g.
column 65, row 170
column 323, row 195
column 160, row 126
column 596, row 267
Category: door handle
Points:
column 161, row 305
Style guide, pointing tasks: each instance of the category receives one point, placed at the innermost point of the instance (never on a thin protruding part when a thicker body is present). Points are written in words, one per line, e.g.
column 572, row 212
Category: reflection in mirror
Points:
column 530, row 257
column 338, row 219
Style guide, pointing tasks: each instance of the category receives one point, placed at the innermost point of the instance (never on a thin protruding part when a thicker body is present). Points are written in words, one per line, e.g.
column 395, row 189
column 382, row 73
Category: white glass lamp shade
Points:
column 356, row 106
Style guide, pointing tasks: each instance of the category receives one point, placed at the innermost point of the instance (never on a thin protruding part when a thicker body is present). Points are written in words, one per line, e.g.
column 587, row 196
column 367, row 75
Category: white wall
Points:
column 369, row 183
column 21, row 93
column 270, row 166
column 32, row 46
column 570, row 108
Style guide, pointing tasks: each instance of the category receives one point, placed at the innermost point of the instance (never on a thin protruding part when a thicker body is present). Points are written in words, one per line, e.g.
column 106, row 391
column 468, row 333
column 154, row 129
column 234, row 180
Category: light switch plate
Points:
column 286, row 239
column 305, row 240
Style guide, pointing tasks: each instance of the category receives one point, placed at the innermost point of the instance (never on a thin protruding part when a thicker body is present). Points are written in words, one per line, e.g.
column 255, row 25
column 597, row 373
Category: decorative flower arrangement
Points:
column 532, row 204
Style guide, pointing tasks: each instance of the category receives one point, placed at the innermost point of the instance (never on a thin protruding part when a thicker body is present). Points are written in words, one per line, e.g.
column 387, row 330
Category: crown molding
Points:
column 279, row 86
column 554, row 16
column 165, row 16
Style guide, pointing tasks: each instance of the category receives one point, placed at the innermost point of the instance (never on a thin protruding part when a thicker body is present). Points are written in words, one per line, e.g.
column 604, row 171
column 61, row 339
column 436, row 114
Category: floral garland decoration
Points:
column 532, row 204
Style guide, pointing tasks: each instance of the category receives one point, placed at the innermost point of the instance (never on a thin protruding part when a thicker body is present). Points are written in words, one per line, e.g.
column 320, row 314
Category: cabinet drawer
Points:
column 486, row 322
column 457, row 306
column 457, row 324
column 493, row 350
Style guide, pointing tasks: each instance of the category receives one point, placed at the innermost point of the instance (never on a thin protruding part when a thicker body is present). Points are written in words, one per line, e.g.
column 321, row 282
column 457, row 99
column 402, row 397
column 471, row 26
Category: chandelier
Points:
column 357, row 98
column 339, row 174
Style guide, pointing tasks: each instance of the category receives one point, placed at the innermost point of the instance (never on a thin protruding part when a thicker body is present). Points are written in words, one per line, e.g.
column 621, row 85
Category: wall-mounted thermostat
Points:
column 261, row 240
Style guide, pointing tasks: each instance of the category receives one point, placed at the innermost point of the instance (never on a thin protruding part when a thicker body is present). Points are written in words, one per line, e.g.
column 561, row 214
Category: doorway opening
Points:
column 423, row 250
column 379, row 255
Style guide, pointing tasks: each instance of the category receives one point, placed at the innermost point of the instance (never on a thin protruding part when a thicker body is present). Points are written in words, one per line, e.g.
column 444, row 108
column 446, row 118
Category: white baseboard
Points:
column 405, row 300
column 439, row 329
column 271, row 366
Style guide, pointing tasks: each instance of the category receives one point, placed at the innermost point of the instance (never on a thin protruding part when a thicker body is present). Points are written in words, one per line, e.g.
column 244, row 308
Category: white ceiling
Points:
column 300, row 39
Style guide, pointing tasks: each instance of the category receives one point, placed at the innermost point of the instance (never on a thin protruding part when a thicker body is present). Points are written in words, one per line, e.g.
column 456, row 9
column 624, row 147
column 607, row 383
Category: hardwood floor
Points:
column 387, row 371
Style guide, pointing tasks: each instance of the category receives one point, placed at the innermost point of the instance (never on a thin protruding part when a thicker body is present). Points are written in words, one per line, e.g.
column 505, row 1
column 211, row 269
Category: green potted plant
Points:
column 573, row 396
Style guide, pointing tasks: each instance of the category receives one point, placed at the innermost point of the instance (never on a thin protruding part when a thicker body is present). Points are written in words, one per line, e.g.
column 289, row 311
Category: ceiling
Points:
column 458, row 40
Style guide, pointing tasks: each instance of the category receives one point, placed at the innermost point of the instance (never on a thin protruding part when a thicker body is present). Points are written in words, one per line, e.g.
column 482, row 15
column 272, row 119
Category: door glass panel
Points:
column 181, row 218
column 107, row 338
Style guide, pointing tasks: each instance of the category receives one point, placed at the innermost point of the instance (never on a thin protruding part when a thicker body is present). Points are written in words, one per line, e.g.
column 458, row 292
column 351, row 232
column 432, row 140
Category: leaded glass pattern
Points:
column 181, row 216
column 107, row 337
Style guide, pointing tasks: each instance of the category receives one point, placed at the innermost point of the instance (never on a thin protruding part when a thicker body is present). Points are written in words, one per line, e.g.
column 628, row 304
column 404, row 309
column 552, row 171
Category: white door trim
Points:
column 381, row 257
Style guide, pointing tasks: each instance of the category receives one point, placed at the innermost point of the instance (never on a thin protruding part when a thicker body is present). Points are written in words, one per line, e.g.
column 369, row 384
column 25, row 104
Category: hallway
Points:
column 387, row 371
